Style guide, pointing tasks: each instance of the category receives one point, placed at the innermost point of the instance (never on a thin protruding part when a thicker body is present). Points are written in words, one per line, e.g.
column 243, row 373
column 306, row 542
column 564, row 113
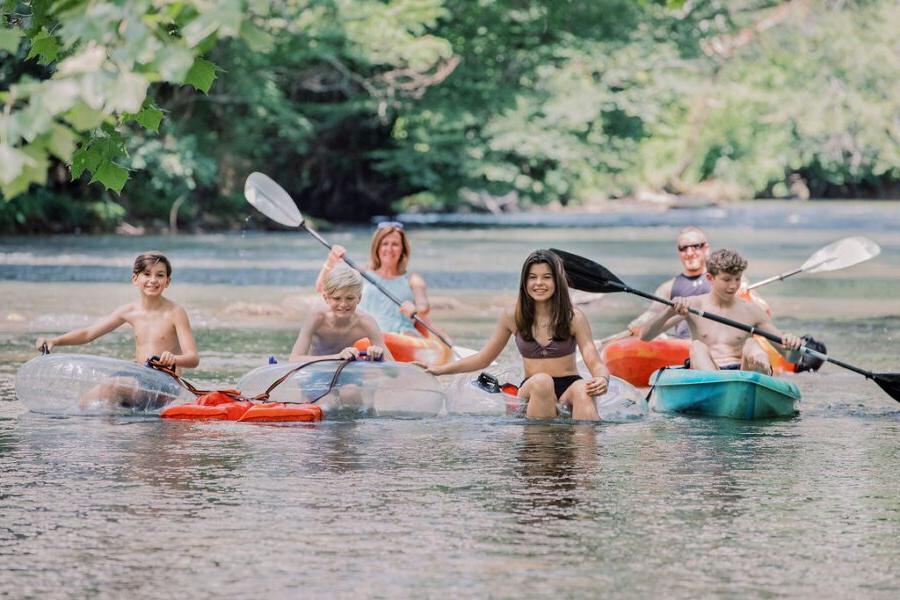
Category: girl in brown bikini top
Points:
column 544, row 297
column 554, row 349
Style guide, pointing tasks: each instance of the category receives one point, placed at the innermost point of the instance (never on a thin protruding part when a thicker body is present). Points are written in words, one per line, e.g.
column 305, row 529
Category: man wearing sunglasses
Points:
column 693, row 250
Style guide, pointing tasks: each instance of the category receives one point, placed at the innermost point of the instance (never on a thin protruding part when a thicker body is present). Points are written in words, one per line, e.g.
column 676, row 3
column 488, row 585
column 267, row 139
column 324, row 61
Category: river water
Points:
column 670, row 506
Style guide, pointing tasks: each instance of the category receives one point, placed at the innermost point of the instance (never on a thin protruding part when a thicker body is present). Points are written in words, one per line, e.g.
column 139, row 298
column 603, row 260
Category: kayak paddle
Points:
column 835, row 256
column 586, row 275
column 613, row 338
column 272, row 200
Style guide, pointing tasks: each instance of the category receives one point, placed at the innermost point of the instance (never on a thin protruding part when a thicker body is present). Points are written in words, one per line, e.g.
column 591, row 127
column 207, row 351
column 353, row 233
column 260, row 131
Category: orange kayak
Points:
column 410, row 348
column 779, row 363
column 634, row 360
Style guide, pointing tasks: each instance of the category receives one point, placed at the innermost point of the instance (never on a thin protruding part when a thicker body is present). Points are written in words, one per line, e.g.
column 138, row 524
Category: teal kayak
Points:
column 733, row 394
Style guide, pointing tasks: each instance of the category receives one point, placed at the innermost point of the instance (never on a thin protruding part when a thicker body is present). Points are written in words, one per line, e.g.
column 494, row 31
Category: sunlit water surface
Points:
column 674, row 507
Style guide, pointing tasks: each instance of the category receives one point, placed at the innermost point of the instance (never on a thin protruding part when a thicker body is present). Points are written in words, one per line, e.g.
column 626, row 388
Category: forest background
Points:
column 149, row 114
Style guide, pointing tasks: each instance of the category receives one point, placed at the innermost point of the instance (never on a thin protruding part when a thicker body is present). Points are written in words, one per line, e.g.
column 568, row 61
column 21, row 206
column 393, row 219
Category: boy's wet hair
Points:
column 726, row 261
column 149, row 259
column 343, row 277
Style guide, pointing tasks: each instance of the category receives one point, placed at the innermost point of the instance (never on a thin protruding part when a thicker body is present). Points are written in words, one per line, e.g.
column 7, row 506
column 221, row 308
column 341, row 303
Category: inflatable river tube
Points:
column 80, row 384
column 362, row 389
column 490, row 395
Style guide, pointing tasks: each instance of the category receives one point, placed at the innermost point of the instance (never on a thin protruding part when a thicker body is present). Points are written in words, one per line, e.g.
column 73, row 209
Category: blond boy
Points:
column 332, row 328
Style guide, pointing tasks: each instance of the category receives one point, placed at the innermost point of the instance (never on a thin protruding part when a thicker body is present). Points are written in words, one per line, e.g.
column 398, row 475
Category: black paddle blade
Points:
column 890, row 383
column 586, row 275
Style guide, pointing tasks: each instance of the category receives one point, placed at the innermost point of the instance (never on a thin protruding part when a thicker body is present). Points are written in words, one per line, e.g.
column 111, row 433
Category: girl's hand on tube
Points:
column 597, row 386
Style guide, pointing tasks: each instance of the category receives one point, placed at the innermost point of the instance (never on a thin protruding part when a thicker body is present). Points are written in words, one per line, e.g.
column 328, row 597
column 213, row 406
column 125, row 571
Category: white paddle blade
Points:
column 841, row 254
column 272, row 200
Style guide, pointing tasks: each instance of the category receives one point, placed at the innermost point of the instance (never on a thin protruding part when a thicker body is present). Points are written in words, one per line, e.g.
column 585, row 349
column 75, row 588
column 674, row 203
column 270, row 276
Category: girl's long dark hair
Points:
column 561, row 312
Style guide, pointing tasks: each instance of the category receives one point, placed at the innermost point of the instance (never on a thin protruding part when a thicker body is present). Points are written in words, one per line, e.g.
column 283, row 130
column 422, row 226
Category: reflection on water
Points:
column 339, row 450
column 555, row 461
column 713, row 462
column 469, row 506
column 674, row 507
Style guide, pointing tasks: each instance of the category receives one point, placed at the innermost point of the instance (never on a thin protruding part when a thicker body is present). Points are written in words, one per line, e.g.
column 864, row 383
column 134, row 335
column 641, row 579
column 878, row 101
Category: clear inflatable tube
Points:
column 621, row 403
column 363, row 388
column 80, row 384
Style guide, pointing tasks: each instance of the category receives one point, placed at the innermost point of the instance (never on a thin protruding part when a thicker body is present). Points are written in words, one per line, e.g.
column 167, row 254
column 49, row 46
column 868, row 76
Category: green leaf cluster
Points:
column 99, row 60
column 359, row 107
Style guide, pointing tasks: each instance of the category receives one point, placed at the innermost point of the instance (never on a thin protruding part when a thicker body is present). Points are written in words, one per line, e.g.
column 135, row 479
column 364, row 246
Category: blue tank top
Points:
column 383, row 310
column 685, row 287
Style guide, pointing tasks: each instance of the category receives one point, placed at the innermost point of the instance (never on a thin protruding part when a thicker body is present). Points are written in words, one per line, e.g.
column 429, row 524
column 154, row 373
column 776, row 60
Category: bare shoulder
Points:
column 176, row 309
column 366, row 320
column 416, row 280
column 665, row 288
column 753, row 312
column 127, row 312
column 124, row 309
column 508, row 317
column 697, row 301
column 580, row 322
column 578, row 317
column 317, row 312
column 180, row 315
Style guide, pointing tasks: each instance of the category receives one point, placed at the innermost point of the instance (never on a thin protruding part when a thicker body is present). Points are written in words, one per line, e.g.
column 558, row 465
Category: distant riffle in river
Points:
column 248, row 276
column 875, row 215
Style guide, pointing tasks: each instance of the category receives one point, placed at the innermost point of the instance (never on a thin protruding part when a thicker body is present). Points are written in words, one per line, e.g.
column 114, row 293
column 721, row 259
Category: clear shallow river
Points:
column 493, row 507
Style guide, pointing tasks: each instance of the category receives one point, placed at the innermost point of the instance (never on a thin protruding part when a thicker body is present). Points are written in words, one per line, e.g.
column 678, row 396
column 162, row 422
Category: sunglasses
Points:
column 386, row 224
column 687, row 247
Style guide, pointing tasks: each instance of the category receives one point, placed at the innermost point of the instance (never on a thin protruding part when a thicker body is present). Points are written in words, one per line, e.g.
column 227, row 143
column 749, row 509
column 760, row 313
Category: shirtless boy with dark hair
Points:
column 716, row 346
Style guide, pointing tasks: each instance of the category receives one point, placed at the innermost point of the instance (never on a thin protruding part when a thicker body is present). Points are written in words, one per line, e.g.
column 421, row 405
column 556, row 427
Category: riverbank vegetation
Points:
column 152, row 112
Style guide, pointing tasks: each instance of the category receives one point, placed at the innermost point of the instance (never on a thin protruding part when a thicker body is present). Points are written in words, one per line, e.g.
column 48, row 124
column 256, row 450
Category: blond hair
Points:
column 691, row 229
column 380, row 234
column 343, row 277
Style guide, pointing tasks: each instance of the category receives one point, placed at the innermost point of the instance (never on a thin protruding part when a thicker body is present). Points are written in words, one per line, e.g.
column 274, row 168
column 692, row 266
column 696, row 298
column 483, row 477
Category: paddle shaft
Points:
column 743, row 326
column 612, row 338
column 781, row 277
column 787, row 274
column 585, row 274
column 381, row 289
column 847, row 252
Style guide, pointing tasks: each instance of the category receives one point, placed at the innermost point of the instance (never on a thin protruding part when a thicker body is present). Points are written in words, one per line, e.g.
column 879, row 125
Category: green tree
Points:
column 354, row 104
column 100, row 59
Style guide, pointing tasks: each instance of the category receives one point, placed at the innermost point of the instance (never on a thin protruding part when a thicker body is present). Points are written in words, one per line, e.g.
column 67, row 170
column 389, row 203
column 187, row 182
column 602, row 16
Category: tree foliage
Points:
column 115, row 110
